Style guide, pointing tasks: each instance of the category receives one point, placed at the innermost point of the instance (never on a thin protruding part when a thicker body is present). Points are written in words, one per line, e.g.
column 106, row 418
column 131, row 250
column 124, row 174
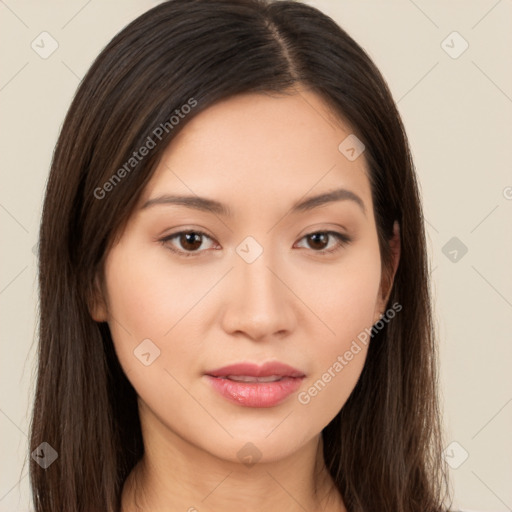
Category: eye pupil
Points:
column 316, row 237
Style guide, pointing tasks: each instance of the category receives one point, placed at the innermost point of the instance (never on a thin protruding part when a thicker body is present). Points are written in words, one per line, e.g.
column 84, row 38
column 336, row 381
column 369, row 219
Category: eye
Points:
column 320, row 240
column 191, row 242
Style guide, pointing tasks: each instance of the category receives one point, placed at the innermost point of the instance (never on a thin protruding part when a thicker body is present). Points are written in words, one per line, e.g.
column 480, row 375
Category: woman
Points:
column 234, row 296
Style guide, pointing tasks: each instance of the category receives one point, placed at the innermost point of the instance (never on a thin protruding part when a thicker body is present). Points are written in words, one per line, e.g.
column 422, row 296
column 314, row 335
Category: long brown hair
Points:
column 383, row 449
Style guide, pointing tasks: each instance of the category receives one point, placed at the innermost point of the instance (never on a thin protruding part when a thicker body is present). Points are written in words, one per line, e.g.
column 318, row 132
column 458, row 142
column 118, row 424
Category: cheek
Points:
column 346, row 303
column 136, row 307
column 151, row 299
column 344, row 295
column 145, row 304
column 148, row 295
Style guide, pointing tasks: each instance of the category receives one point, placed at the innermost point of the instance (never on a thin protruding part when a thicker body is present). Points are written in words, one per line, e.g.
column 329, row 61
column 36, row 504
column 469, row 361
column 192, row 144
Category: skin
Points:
column 257, row 154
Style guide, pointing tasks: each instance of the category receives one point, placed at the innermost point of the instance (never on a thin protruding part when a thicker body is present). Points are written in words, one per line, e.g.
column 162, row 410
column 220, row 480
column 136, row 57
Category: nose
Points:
column 260, row 304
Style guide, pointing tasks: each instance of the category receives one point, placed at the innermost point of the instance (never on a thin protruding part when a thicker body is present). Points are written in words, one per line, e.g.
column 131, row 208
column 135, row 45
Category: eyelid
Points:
column 186, row 254
column 342, row 238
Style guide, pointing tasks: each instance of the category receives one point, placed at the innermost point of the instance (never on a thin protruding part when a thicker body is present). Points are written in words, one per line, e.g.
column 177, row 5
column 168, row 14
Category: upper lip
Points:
column 255, row 370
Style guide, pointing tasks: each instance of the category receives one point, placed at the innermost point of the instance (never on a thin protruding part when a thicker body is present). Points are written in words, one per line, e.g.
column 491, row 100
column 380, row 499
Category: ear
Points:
column 96, row 302
column 389, row 276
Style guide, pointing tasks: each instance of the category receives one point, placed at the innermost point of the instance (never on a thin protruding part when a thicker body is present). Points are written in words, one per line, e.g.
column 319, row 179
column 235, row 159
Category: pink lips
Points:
column 250, row 385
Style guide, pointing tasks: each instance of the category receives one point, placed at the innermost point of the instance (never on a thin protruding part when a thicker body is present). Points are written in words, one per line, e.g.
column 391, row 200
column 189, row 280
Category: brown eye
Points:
column 319, row 241
column 187, row 243
column 190, row 241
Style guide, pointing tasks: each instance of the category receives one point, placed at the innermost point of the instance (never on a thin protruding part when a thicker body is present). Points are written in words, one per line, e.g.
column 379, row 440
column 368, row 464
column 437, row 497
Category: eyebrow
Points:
column 212, row 206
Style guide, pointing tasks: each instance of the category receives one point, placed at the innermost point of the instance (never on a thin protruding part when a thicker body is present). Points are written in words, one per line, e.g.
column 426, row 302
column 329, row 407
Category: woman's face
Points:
column 269, row 280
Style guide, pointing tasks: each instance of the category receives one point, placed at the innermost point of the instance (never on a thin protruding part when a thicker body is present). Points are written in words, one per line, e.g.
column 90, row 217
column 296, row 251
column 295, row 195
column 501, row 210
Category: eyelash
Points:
column 343, row 240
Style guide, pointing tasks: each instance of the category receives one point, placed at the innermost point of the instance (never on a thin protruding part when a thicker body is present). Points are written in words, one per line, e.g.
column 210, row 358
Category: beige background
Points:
column 458, row 114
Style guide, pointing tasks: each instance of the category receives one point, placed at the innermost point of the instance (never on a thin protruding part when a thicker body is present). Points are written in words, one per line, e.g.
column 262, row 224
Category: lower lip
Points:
column 256, row 394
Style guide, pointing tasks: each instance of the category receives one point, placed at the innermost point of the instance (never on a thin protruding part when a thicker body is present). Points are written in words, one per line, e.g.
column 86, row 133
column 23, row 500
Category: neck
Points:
column 174, row 475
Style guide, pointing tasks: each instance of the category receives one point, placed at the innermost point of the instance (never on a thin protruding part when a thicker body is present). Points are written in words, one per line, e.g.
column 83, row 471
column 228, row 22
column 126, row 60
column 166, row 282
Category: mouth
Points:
column 248, row 378
column 250, row 385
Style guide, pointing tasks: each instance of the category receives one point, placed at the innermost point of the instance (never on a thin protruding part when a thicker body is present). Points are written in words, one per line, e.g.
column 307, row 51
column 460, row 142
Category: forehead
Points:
column 259, row 149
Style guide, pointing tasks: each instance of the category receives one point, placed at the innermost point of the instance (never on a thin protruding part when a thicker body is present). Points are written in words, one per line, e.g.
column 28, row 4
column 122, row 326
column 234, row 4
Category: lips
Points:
column 251, row 385
column 247, row 378
column 273, row 369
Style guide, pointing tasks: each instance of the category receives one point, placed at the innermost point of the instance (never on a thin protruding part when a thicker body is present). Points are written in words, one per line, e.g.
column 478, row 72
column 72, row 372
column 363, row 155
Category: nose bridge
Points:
column 259, row 304
column 260, row 284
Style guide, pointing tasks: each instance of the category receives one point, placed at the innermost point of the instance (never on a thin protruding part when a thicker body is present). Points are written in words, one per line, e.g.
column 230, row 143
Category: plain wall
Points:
column 457, row 110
